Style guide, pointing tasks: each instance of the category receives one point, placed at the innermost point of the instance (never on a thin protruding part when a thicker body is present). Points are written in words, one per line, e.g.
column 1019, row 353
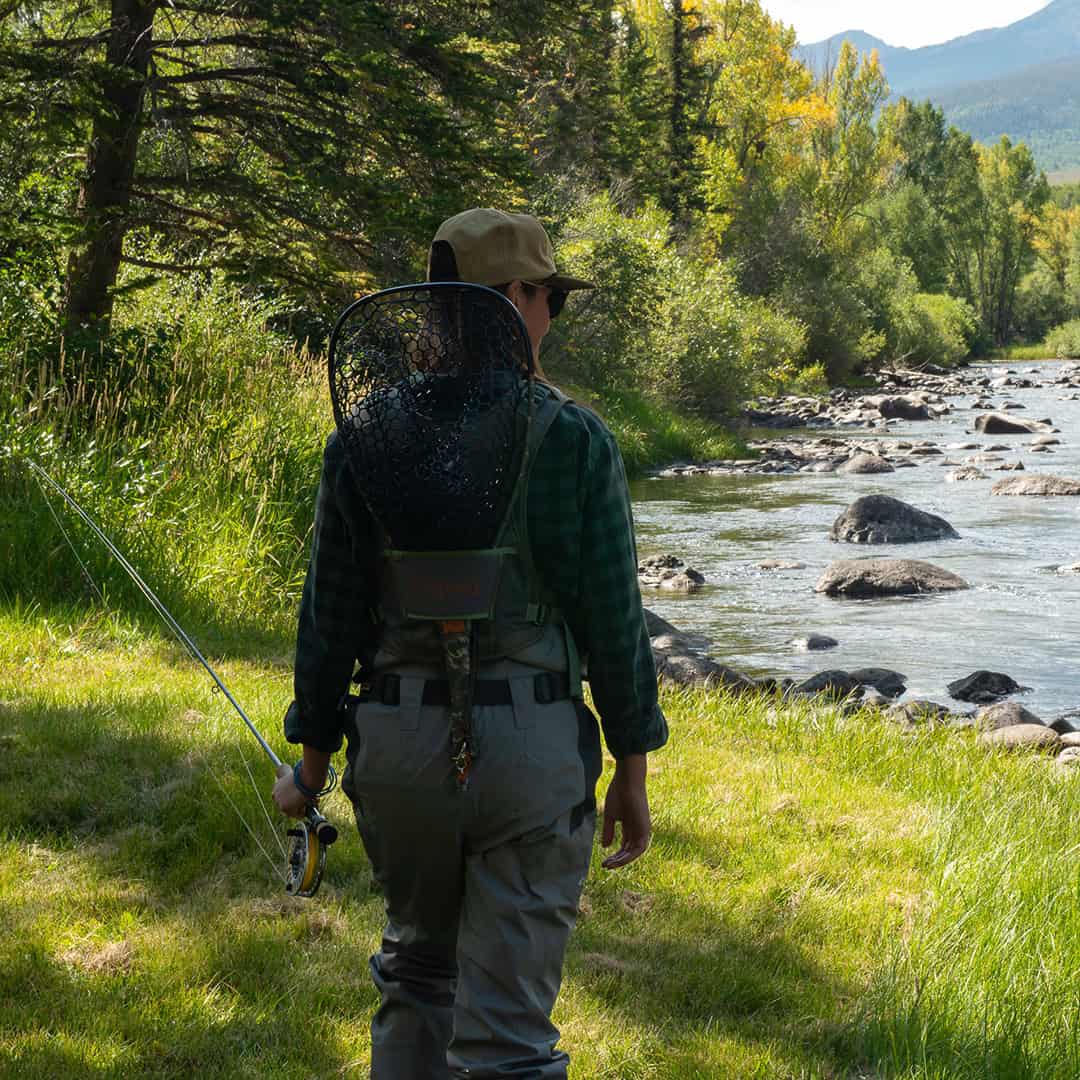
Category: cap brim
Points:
column 567, row 284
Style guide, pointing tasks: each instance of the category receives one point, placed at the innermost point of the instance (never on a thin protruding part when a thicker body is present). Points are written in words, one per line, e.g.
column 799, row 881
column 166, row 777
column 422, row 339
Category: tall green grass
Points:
column 651, row 433
column 1022, row 352
column 196, row 443
column 197, row 449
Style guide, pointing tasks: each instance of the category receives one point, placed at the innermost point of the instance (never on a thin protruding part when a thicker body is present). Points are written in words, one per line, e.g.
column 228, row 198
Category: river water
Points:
column 1020, row 616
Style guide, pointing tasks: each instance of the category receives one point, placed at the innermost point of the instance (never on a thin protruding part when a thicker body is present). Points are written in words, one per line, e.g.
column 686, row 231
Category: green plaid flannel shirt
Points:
column 582, row 537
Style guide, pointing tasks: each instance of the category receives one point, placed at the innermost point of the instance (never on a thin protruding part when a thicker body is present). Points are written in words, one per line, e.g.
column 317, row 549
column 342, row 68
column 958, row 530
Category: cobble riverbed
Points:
column 1021, row 615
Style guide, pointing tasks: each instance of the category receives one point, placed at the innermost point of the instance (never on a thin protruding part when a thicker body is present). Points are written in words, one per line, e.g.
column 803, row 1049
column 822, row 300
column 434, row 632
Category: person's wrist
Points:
column 317, row 789
column 632, row 769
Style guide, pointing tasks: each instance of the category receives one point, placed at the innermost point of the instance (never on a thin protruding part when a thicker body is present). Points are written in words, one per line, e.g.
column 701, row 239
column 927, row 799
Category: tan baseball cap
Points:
column 492, row 247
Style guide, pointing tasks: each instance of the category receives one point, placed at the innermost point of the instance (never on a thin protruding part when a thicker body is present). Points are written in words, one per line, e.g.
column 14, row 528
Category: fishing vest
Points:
column 498, row 590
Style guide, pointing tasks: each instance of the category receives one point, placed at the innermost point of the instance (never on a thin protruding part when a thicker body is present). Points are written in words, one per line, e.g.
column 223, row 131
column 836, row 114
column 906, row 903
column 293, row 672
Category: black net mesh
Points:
column 427, row 383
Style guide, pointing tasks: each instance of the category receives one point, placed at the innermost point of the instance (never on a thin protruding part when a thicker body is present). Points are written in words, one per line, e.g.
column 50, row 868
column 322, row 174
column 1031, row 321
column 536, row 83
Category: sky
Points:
column 909, row 22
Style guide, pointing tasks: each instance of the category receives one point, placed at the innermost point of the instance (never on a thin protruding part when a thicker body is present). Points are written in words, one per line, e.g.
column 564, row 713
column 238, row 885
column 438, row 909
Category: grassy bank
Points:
column 1021, row 352
column 826, row 897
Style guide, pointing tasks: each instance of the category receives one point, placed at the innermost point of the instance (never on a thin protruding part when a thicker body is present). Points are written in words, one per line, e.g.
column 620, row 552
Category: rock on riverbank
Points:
column 1038, row 484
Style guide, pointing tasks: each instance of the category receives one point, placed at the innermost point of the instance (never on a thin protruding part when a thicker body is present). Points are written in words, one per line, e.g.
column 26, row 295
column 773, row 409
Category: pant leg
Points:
column 417, row 861
column 408, row 812
column 521, row 901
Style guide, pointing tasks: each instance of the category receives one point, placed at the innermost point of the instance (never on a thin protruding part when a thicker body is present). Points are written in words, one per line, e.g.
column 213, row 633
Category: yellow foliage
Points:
column 1054, row 234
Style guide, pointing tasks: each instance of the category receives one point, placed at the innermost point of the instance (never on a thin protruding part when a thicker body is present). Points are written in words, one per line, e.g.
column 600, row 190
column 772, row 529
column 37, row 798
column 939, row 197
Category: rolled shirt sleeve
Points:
column 336, row 625
column 582, row 533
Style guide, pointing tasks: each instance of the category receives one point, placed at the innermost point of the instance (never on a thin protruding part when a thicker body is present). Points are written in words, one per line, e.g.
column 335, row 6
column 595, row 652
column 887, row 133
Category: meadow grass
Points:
column 826, row 896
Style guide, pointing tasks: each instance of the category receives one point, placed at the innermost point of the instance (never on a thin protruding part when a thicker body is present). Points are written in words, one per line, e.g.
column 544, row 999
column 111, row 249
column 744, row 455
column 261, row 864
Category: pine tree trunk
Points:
column 105, row 190
column 677, row 117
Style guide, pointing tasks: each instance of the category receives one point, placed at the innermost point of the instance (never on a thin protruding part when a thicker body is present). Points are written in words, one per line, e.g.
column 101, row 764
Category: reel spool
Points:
column 306, row 854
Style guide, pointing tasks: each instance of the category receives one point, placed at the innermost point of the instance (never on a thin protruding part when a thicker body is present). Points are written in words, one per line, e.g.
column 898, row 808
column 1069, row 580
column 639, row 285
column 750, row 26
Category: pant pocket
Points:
column 391, row 746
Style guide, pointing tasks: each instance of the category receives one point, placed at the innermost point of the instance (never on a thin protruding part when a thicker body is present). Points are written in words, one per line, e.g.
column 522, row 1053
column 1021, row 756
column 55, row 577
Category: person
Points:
column 482, row 885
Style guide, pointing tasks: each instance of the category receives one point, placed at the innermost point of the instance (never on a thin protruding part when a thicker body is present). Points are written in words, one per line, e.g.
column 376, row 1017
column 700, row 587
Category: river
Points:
column 1020, row 616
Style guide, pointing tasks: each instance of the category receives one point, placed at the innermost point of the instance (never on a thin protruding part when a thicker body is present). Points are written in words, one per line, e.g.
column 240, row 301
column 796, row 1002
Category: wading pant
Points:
column 482, row 885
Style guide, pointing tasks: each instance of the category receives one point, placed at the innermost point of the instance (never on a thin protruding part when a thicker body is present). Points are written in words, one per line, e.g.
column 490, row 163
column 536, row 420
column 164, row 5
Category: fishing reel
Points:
column 305, row 855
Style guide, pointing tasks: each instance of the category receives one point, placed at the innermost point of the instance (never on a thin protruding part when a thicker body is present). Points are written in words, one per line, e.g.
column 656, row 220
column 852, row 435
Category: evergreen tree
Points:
column 285, row 140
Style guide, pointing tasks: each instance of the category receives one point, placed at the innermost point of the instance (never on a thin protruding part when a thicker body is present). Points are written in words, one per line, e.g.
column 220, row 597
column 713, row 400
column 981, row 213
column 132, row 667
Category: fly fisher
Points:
column 473, row 551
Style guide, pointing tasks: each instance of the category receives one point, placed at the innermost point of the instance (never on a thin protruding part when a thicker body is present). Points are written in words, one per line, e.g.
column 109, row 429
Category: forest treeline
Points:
column 754, row 226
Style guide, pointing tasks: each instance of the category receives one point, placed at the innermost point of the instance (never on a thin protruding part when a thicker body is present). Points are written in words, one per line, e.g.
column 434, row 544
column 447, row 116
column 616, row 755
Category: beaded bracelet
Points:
column 308, row 793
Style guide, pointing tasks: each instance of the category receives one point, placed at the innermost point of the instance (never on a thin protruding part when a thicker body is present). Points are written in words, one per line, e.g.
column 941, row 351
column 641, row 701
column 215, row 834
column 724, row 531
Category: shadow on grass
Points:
column 71, row 1023
column 143, row 933
column 140, row 803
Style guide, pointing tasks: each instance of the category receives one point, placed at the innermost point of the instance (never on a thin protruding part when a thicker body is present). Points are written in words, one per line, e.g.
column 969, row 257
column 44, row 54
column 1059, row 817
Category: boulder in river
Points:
column 1036, row 484
column 656, row 625
column 862, row 464
column 965, row 472
column 669, row 572
column 984, row 687
column 889, row 683
column 881, row 519
column 815, row 643
column 862, row 578
column 996, row 424
column 899, row 407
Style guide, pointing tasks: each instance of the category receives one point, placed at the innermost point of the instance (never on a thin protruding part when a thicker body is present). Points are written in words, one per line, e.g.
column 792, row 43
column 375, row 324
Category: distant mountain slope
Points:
column 1039, row 105
column 1048, row 35
column 1021, row 80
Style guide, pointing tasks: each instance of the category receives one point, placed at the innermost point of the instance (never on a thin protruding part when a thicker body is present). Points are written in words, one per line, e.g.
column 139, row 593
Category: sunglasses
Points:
column 556, row 300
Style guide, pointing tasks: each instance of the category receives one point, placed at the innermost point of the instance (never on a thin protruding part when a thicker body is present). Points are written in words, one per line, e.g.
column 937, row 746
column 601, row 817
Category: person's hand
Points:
column 627, row 802
column 287, row 796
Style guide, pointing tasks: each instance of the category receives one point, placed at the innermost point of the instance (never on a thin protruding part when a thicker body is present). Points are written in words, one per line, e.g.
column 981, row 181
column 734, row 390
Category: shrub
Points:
column 713, row 347
column 1064, row 341
column 840, row 330
column 810, row 381
column 600, row 340
column 662, row 320
column 1041, row 304
column 936, row 329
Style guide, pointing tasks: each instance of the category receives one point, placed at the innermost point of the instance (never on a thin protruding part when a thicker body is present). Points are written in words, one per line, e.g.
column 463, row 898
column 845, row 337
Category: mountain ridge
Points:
column 967, row 75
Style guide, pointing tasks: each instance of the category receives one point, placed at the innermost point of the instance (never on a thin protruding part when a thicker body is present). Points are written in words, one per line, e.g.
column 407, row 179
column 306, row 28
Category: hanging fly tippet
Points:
column 308, row 840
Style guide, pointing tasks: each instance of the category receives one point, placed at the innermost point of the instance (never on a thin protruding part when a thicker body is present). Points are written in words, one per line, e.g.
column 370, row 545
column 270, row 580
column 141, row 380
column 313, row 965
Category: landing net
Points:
column 430, row 385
